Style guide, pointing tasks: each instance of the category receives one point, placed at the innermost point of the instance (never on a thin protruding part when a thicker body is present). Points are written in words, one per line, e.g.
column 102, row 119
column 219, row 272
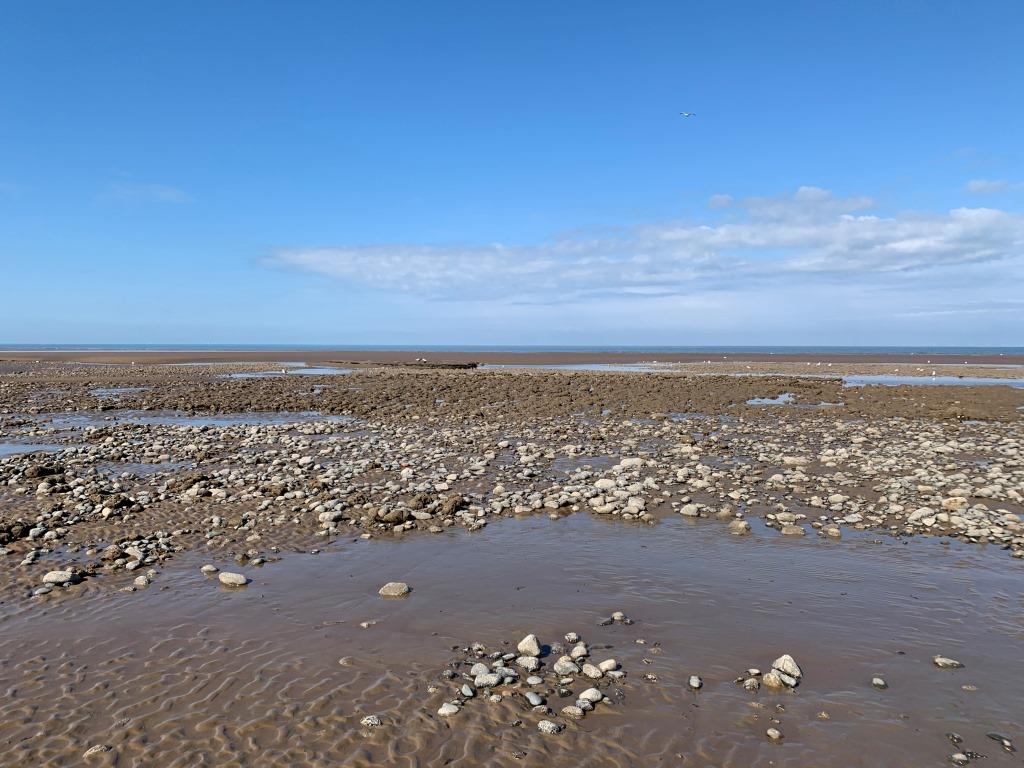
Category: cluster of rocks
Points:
column 536, row 675
column 784, row 674
column 229, row 485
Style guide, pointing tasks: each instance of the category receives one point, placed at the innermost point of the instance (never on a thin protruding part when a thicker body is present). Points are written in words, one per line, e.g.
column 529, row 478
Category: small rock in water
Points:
column 772, row 680
column 60, row 577
column 1003, row 740
column 467, row 691
column 394, row 589
column 774, row 734
column 97, row 749
column 959, row 758
column 209, row 569
column 371, row 721
column 447, row 710
column 529, row 646
column 739, row 527
column 944, row 662
column 879, row 683
column 546, row 726
column 787, row 665
column 696, row 683
column 573, row 712
column 592, row 695
column 535, row 699
column 229, row 579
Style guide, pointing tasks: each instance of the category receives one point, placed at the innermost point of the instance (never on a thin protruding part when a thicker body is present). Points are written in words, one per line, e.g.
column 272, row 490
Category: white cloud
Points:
column 134, row 191
column 985, row 186
column 720, row 201
column 991, row 186
column 810, row 237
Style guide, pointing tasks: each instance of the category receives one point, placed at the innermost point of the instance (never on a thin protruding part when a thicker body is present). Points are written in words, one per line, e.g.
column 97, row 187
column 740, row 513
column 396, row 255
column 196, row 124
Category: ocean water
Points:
column 652, row 349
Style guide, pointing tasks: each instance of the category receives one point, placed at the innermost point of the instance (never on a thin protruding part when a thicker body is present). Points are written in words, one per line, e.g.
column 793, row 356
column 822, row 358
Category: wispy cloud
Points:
column 990, row 186
column 811, row 236
column 135, row 191
column 996, row 307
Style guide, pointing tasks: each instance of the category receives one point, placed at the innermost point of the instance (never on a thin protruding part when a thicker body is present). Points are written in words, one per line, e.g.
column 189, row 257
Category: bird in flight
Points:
column 687, row 114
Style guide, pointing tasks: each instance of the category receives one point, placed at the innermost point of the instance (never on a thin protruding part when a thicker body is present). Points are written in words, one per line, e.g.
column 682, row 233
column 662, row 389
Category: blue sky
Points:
column 512, row 172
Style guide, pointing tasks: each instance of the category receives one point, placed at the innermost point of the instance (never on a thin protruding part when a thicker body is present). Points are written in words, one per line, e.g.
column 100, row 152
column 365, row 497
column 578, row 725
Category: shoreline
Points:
column 343, row 355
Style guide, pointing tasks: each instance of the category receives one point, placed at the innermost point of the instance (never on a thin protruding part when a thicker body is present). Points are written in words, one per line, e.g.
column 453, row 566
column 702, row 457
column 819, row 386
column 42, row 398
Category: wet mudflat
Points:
column 186, row 672
column 735, row 520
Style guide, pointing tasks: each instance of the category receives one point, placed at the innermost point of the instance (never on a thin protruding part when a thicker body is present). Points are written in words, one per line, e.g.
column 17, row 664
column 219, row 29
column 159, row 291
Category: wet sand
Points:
column 511, row 503
column 188, row 673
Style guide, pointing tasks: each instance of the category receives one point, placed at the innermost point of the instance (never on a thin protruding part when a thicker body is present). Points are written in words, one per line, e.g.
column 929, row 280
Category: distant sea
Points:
column 653, row 349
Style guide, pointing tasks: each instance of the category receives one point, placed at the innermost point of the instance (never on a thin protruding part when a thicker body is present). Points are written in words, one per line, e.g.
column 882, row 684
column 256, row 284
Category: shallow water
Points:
column 107, row 393
column 613, row 367
column 783, row 399
column 82, row 419
column 189, row 673
column 893, row 380
column 13, row 449
column 291, row 371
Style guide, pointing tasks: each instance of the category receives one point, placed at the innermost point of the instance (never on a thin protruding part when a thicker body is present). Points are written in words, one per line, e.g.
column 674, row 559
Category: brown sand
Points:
column 184, row 672
column 188, row 673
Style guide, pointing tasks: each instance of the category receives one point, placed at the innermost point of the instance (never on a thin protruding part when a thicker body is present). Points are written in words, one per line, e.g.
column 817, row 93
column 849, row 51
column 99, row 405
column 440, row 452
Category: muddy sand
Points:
column 829, row 579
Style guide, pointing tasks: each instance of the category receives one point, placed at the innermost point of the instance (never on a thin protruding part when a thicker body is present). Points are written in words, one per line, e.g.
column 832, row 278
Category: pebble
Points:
column 60, row 578
column 96, row 749
column 394, row 589
column 879, row 683
column 788, row 666
column 774, row 734
column 209, row 569
column 739, row 527
column 371, row 721
column 1004, row 741
column 229, row 579
column 447, row 710
column 529, row 646
column 546, row 726
column 566, row 666
column 695, row 682
column 944, row 662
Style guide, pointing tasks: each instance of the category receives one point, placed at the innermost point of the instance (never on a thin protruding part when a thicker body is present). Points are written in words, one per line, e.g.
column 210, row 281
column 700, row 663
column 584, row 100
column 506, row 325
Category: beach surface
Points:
column 738, row 568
